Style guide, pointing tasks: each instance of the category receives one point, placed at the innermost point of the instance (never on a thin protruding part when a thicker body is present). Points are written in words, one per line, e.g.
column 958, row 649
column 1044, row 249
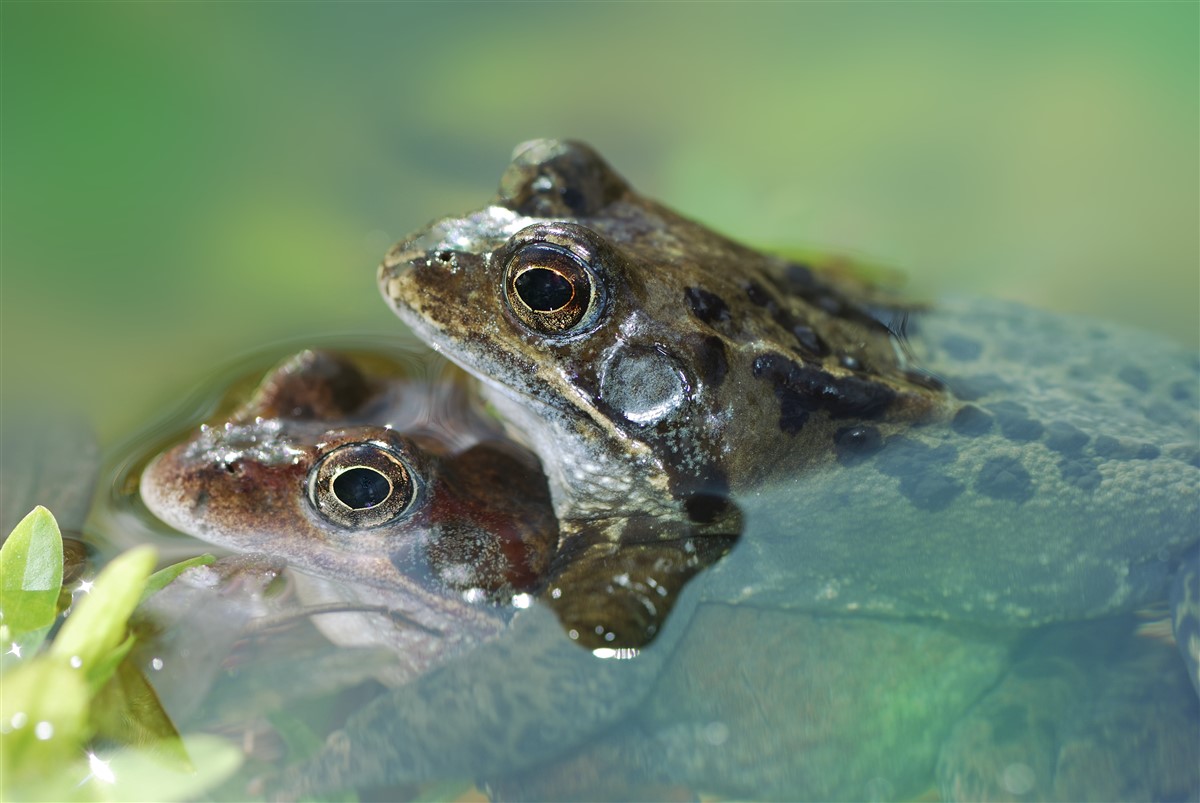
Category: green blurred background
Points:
column 187, row 182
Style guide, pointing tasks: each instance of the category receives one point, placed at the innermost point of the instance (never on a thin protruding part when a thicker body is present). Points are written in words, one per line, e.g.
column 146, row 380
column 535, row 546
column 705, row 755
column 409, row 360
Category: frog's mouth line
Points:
column 532, row 418
column 483, row 368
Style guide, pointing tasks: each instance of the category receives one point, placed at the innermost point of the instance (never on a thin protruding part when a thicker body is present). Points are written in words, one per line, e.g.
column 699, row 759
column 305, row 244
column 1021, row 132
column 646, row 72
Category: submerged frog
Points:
column 976, row 463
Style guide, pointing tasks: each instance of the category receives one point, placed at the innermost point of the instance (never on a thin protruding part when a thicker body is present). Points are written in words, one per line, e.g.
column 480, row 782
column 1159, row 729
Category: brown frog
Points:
column 654, row 364
column 972, row 462
column 378, row 490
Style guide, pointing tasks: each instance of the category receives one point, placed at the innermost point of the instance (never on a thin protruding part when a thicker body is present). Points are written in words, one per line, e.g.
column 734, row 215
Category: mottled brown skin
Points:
column 640, row 413
column 679, row 311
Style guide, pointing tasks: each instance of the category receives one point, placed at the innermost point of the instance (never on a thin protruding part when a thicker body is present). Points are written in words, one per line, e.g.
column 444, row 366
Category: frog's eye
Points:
column 361, row 485
column 549, row 288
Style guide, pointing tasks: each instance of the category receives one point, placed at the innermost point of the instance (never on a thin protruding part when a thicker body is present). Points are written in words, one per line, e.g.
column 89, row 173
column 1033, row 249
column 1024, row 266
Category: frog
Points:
column 971, row 463
column 379, row 490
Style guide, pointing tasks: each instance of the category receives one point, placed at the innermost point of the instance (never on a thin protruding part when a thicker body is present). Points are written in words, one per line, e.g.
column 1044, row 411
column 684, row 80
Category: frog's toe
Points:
column 1113, row 720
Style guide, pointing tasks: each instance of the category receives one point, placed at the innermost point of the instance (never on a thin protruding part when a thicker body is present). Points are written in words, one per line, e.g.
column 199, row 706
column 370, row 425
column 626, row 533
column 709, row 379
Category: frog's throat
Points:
column 587, row 476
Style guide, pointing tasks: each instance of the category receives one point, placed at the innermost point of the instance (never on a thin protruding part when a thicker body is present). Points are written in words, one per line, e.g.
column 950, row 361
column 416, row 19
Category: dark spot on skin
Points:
column 805, row 389
column 1120, row 449
column 705, row 508
column 706, row 306
column 1185, row 454
column 970, row 388
column 1004, row 478
column 1183, row 391
column 758, row 295
column 801, row 278
column 793, row 411
column 809, row 340
column 1161, row 412
column 924, row 380
column 200, row 503
column 803, row 282
column 904, row 456
column 712, row 361
column 574, row 199
column 1080, row 472
column 708, row 487
column 932, row 492
column 960, row 348
column 856, row 444
column 1135, row 377
column 971, row 422
column 1066, row 439
column 831, row 304
column 1015, row 423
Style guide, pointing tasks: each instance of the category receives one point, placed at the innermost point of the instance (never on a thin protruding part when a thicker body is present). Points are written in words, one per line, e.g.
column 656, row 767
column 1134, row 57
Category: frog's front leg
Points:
column 614, row 582
column 527, row 697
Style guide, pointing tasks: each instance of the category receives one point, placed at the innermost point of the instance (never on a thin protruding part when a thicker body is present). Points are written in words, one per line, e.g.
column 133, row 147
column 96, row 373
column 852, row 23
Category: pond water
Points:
column 187, row 182
column 886, row 626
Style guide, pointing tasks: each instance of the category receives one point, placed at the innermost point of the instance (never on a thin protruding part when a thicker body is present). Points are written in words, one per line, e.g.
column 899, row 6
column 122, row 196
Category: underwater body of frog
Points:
column 1003, row 467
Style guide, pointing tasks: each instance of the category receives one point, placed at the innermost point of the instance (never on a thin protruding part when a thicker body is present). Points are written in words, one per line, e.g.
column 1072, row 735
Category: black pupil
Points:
column 361, row 488
column 544, row 290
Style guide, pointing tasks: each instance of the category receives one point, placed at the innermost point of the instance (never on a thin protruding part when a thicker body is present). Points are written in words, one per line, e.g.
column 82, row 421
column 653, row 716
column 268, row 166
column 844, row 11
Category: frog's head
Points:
column 619, row 336
column 296, row 474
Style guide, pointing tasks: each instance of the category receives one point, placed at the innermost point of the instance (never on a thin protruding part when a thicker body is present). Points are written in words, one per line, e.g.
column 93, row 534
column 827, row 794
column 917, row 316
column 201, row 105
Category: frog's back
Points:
column 1063, row 484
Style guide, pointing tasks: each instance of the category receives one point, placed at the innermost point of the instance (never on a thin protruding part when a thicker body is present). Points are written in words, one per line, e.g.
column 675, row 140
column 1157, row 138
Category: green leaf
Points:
column 127, row 710
column 108, row 663
column 161, row 578
column 97, row 624
column 31, row 565
column 140, row 775
column 44, row 709
column 127, row 774
column 20, row 649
